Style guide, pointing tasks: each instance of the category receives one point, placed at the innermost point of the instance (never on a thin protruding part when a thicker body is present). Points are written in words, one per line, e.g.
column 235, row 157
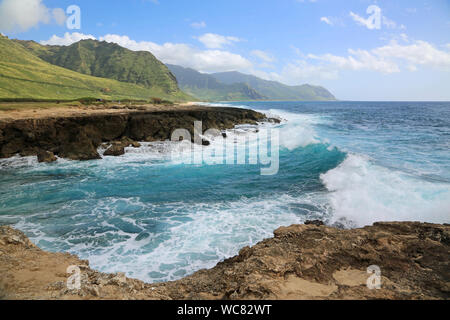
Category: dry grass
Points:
column 11, row 111
column 19, row 106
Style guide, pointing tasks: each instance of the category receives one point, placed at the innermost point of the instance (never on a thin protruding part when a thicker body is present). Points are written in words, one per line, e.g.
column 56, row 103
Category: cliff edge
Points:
column 299, row 262
column 76, row 132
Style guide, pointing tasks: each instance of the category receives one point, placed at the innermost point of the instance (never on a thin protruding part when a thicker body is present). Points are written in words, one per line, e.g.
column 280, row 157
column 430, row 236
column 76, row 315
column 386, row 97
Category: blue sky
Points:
column 406, row 56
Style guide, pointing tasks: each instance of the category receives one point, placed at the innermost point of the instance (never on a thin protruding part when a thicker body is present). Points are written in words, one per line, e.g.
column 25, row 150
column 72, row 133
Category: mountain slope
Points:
column 206, row 87
column 275, row 90
column 24, row 75
column 108, row 60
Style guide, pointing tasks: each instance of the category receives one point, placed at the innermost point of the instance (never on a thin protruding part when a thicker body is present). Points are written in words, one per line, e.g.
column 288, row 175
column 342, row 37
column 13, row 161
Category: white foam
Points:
column 296, row 130
column 221, row 104
column 293, row 136
column 17, row 162
column 196, row 236
column 199, row 235
column 364, row 193
column 209, row 233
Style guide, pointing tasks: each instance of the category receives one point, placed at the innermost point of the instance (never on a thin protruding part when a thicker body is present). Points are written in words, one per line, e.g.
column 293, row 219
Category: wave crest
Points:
column 364, row 193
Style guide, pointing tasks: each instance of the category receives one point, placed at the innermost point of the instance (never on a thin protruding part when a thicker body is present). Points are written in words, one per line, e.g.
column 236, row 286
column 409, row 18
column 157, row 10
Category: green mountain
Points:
column 229, row 86
column 108, row 60
column 206, row 87
column 24, row 75
column 274, row 90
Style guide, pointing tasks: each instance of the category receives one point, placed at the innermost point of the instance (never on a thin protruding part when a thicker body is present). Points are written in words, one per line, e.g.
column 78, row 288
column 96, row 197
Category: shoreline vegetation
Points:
column 310, row 261
column 24, row 75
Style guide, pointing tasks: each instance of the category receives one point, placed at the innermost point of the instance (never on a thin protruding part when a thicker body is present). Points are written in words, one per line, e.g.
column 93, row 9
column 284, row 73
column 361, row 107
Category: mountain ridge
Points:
column 233, row 85
column 108, row 60
column 141, row 68
column 275, row 90
column 207, row 87
column 24, row 75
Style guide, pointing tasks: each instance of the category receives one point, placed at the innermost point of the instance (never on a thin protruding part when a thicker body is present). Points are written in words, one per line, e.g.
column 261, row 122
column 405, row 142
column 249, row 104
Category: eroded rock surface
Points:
column 300, row 262
column 77, row 137
column 45, row 156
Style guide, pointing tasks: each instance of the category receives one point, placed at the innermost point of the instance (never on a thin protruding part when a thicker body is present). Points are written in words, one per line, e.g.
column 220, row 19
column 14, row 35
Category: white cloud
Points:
column 376, row 20
column 418, row 53
column 22, row 15
column 185, row 55
column 198, row 25
column 326, row 20
column 67, row 39
column 391, row 58
column 388, row 59
column 359, row 60
column 59, row 15
column 172, row 53
column 302, row 71
column 404, row 37
column 368, row 23
column 216, row 41
column 390, row 24
column 264, row 56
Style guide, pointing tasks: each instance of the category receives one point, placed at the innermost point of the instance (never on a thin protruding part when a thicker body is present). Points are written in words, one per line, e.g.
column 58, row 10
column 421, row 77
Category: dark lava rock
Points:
column 274, row 120
column 315, row 223
column 46, row 156
column 127, row 142
column 78, row 138
column 135, row 144
column 115, row 150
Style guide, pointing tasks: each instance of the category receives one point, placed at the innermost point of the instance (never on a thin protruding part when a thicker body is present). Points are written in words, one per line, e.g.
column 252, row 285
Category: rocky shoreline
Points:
column 310, row 261
column 300, row 262
column 78, row 135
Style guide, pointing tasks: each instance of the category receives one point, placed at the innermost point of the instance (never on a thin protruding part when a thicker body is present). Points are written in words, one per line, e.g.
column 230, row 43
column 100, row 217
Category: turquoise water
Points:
column 147, row 214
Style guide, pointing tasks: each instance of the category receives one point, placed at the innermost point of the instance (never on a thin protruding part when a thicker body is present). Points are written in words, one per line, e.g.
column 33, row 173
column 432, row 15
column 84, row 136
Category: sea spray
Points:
column 157, row 218
column 363, row 193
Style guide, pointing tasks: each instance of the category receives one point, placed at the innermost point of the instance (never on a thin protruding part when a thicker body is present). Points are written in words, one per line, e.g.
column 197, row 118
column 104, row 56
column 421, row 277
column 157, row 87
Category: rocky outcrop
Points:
column 78, row 137
column 300, row 262
column 114, row 150
column 45, row 156
column 117, row 148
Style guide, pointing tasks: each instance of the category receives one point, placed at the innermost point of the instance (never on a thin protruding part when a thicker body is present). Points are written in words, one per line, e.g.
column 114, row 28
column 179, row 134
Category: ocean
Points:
column 155, row 218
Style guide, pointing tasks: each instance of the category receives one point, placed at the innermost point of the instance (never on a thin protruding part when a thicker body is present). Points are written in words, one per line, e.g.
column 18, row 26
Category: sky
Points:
column 358, row 49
